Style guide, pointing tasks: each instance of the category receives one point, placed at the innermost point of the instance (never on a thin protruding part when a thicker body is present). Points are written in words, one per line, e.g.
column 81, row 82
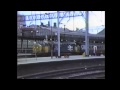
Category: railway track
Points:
column 73, row 73
column 97, row 74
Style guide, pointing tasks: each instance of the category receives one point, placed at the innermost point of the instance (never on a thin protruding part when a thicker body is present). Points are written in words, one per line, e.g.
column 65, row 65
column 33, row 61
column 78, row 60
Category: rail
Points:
column 67, row 73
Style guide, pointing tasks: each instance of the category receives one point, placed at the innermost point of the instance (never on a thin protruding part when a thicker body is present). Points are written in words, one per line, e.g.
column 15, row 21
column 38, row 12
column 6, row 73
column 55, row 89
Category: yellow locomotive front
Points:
column 37, row 49
column 77, row 48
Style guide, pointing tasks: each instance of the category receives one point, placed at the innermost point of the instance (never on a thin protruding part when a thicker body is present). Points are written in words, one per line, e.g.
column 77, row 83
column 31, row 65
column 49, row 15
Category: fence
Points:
column 24, row 53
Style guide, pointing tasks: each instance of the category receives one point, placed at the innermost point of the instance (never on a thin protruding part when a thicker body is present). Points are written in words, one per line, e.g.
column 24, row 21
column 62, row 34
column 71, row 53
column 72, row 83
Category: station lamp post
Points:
column 64, row 31
column 86, row 34
column 51, row 36
column 58, row 35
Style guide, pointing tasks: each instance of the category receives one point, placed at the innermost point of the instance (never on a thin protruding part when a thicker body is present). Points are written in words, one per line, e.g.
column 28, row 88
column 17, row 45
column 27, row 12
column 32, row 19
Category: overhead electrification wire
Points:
column 40, row 23
column 35, row 20
column 31, row 21
column 69, row 17
column 97, row 20
column 96, row 17
column 73, row 20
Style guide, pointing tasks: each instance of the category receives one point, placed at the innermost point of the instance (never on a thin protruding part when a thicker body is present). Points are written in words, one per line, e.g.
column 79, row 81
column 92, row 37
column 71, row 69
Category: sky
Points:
column 96, row 20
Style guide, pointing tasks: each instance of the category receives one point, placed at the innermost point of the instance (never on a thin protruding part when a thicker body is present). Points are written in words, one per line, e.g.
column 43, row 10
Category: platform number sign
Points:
column 70, row 48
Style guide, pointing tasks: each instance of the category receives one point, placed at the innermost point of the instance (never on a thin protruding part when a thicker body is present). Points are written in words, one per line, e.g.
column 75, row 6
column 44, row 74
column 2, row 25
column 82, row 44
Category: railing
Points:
column 25, row 53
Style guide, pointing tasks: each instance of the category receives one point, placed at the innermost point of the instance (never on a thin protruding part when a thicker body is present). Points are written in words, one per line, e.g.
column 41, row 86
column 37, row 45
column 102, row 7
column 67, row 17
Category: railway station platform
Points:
column 21, row 61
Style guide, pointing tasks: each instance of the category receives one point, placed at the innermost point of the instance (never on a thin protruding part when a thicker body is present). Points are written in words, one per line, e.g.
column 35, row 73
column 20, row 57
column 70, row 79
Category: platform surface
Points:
column 49, row 59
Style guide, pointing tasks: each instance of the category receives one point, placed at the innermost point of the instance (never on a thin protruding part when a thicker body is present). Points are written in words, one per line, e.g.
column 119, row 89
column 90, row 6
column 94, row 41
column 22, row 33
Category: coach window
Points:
column 97, row 47
column 90, row 40
column 92, row 46
column 81, row 46
column 89, row 47
column 97, row 41
column 80, row 41
column 100, row 47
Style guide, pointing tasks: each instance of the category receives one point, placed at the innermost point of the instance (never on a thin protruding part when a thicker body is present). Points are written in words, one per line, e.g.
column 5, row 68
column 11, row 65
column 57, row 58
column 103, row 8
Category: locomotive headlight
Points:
column 34, row 42
column 102, row 42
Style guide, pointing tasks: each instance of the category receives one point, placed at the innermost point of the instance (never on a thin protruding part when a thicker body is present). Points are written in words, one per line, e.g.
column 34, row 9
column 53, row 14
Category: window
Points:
column 91, row 41
column 99, row 47
column 92, row 46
